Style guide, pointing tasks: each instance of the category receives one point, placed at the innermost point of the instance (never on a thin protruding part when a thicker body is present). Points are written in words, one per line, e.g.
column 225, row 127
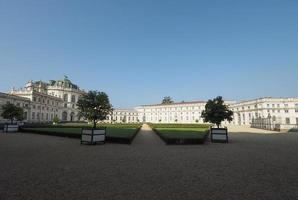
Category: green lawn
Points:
column 181, row 133
column 114, row 131
column 111, row 131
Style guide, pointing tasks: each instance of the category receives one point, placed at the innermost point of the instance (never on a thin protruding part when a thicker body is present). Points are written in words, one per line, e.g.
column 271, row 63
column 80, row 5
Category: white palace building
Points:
column 42, row 101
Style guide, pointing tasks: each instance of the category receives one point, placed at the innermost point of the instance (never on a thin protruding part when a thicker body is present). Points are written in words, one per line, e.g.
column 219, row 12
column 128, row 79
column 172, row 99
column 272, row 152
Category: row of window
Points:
column 42, row 100
column 182, row 118
column 124, row 113
column 174, row 108
column 268, row 106
column 40, row 116
column 175, row 113
column 44, row 108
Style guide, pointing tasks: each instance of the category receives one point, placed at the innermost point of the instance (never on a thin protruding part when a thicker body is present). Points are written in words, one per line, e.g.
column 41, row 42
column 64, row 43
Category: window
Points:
column 286, row 105
column 33, row 115
column 39, row 99
column 287, row 120
column 296, row 111
column 34, row 98
column 273, row 105
column 33, row 106
column 65, row 97
column 268, row 105
column 65, row 105
column 48, row 101
column 286, row 111
column 73, row 98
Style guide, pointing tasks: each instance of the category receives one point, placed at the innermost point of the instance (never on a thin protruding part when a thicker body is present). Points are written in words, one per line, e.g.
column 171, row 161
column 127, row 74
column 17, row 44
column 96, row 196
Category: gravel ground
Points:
column 251, row 166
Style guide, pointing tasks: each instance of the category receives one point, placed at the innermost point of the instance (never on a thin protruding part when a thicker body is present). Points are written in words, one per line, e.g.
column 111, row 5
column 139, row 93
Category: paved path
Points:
column 251, row 166
column 247, row 129
column 147, row 137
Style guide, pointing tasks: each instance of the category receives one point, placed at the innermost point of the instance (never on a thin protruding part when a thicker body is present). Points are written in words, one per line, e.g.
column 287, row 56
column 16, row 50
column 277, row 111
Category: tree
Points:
column 55, row 120
column 12, row 112
column 216, row 111
column 94, row 106
column 167, row 100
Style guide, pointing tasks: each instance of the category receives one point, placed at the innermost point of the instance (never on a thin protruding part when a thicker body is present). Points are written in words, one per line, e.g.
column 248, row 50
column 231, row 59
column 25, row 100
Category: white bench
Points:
column 10, row 128
column 93, row 136
column 219, row 135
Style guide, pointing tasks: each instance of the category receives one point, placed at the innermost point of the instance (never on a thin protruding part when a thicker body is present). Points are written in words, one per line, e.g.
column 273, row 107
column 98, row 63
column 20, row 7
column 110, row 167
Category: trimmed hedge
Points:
column 179, row 125
column 169, row 140
column 111, row 139
column 183, row 139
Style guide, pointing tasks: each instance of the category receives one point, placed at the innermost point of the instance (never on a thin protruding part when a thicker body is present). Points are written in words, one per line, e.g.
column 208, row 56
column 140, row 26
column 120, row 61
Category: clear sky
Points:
column 138, row 51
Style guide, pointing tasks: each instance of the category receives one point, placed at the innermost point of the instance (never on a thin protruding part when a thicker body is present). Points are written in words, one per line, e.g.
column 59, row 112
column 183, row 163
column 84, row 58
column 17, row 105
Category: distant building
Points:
column 280, row 111
column 43, row 101
column 47, row 100
column 181, row 112
column 16, row 100
column 123, row 116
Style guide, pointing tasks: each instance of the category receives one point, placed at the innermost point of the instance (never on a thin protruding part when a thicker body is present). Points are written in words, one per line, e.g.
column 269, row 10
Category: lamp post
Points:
column 96, row 108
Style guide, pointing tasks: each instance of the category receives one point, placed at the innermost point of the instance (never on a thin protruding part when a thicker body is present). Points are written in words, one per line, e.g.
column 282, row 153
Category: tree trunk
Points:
column 217, row 125
column 94, row 124
column 11, row 121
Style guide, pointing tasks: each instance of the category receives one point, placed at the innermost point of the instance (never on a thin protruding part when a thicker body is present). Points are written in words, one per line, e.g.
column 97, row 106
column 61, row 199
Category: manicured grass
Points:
column 184, row 133
column 181, row 133
column 122, row 133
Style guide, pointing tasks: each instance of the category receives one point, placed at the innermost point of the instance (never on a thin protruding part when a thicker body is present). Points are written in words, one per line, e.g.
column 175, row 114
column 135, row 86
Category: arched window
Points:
column 64, row 116
column 72, row 115
column 73, row 98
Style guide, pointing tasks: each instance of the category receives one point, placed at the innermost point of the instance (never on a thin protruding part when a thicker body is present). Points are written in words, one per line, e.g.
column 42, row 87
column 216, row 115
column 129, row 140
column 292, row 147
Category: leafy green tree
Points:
column 94, row 106
column 12, row 112
column 216, row 111
column 167, row 100
column 56, row 120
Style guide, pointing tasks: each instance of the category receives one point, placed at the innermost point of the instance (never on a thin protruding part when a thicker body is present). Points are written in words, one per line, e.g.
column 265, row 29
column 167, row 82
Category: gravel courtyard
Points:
column 251, row 166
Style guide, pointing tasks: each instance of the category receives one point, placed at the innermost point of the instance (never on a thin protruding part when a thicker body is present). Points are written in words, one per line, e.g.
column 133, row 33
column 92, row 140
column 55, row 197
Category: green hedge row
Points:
column 179, row 125
column 169, row 141
column 111, row 139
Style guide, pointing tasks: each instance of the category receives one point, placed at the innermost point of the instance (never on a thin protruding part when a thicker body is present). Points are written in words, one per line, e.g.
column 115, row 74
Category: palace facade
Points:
column 42, row 101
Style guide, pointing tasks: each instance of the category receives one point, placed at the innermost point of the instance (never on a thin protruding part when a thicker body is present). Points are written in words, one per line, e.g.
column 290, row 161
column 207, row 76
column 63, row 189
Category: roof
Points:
column 5, row 95
column 176, row 103
column 267, row 98
column 65, row 83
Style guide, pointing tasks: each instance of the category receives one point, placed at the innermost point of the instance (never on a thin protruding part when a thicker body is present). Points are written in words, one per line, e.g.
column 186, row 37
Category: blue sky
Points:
column 138, row 51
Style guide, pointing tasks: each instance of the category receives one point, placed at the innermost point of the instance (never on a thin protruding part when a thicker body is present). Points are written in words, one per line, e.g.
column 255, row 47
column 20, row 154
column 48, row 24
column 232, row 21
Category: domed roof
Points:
column 66, row 83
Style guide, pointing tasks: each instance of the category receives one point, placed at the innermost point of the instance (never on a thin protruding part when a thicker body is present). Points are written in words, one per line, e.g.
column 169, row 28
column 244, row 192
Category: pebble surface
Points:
column 251, row 166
